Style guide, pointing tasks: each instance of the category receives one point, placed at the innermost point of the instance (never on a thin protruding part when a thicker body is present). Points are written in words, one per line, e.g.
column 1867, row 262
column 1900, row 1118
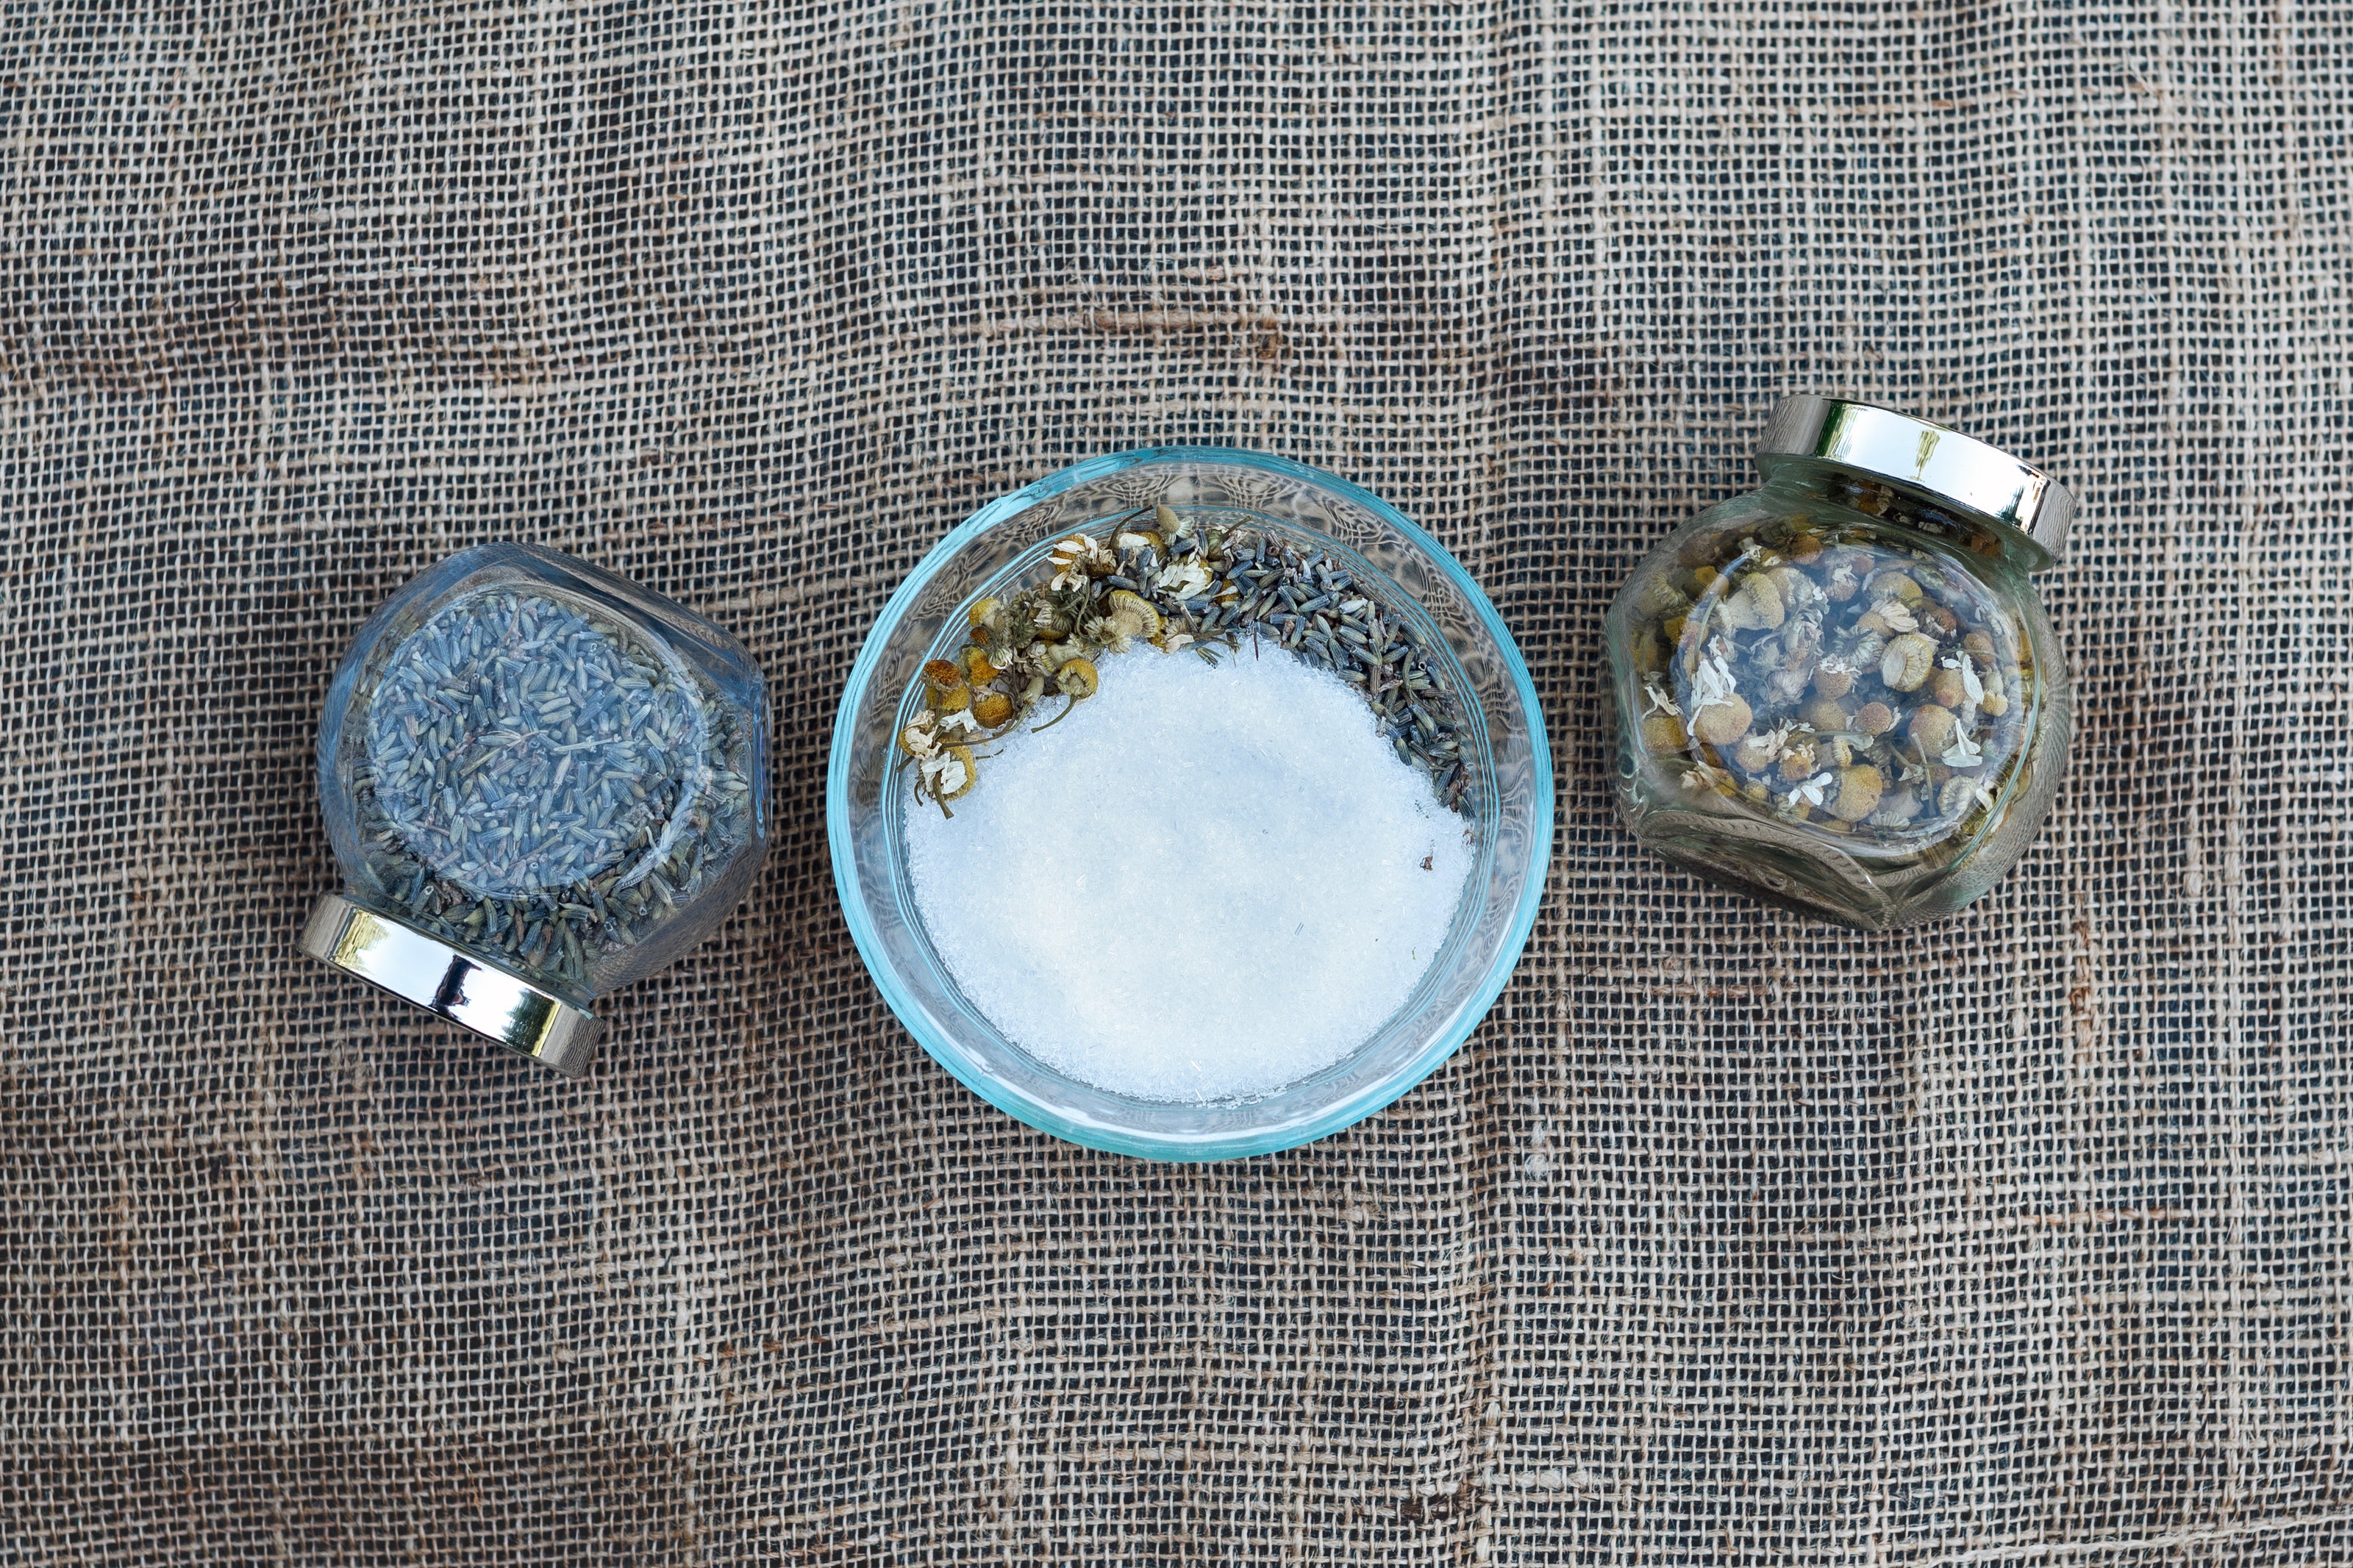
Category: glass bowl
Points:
column 1508, row 803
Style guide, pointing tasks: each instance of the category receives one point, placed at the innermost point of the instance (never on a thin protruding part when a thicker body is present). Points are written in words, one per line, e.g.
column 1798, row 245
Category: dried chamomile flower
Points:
column 920, row 739
column 1078, row 560
column 1664, row 732
column 1659, row 598
column 1908, row 662
column 1859, row 789
column 1133, row 615
column 1932, row 728
column 1960, row 794
column 1896, row 585
column 1798, row 760
column 1843, row 580
column 951, row 774
column 1720, row 715
column 944, row 687
column 1888, row 618
column 1897, row 808
column 1756, row 752
column 1756, row 605
column 1101, row 629
column 1184, row 579
column 1811, row 793
column 1825, row 715
column 1721, row 723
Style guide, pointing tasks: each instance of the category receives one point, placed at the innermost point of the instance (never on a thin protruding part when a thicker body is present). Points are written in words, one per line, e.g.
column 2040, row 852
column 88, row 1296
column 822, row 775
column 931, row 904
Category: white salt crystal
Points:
column 1205, row 882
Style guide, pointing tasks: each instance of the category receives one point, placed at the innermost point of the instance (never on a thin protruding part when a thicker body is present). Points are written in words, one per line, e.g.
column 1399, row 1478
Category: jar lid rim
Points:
column 475, row 995
column 2016, row 496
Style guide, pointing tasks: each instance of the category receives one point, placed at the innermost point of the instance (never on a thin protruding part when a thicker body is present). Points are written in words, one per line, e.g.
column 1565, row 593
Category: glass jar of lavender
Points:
column 1839, row 691
column 542, row 783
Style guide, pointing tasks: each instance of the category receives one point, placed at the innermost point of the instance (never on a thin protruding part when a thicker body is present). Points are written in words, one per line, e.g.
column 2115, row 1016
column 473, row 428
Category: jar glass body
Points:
column 546, row 768
column 1838, row 695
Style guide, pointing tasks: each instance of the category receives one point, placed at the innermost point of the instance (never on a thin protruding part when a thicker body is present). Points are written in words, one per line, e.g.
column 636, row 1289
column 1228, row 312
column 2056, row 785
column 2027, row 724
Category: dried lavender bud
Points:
column 541, row 782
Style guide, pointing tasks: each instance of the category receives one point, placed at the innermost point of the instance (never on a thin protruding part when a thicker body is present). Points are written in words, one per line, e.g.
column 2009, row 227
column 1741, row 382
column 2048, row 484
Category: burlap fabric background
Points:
column 2017, row 1240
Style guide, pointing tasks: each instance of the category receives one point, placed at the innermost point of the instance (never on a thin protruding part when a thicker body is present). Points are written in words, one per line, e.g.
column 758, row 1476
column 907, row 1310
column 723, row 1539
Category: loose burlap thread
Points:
column 2018, row 1238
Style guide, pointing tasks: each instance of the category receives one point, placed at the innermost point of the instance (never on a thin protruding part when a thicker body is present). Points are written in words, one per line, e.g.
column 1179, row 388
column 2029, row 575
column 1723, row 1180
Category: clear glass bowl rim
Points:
column 1008, row 1098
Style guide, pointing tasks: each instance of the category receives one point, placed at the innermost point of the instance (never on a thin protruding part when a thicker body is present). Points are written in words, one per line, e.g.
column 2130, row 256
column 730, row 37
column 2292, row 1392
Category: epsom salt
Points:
column 1205, row 882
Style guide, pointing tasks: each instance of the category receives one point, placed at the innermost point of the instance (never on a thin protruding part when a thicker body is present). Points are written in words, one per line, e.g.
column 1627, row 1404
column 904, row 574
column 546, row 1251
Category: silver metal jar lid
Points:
column 1982, row 479
column 453, row 983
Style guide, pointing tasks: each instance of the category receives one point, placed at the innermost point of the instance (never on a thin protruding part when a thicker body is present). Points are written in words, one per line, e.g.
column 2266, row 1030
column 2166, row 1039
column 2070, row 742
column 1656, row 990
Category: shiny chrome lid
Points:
column 453, row 983
column 2019, row 498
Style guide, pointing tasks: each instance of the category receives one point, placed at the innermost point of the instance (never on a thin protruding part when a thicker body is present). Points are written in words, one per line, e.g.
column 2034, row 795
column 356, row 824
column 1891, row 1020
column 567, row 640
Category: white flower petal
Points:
column 1716, row 685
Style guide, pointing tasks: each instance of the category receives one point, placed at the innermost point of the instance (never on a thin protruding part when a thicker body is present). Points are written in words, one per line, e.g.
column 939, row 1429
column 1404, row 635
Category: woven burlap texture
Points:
column 2018, row 1238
